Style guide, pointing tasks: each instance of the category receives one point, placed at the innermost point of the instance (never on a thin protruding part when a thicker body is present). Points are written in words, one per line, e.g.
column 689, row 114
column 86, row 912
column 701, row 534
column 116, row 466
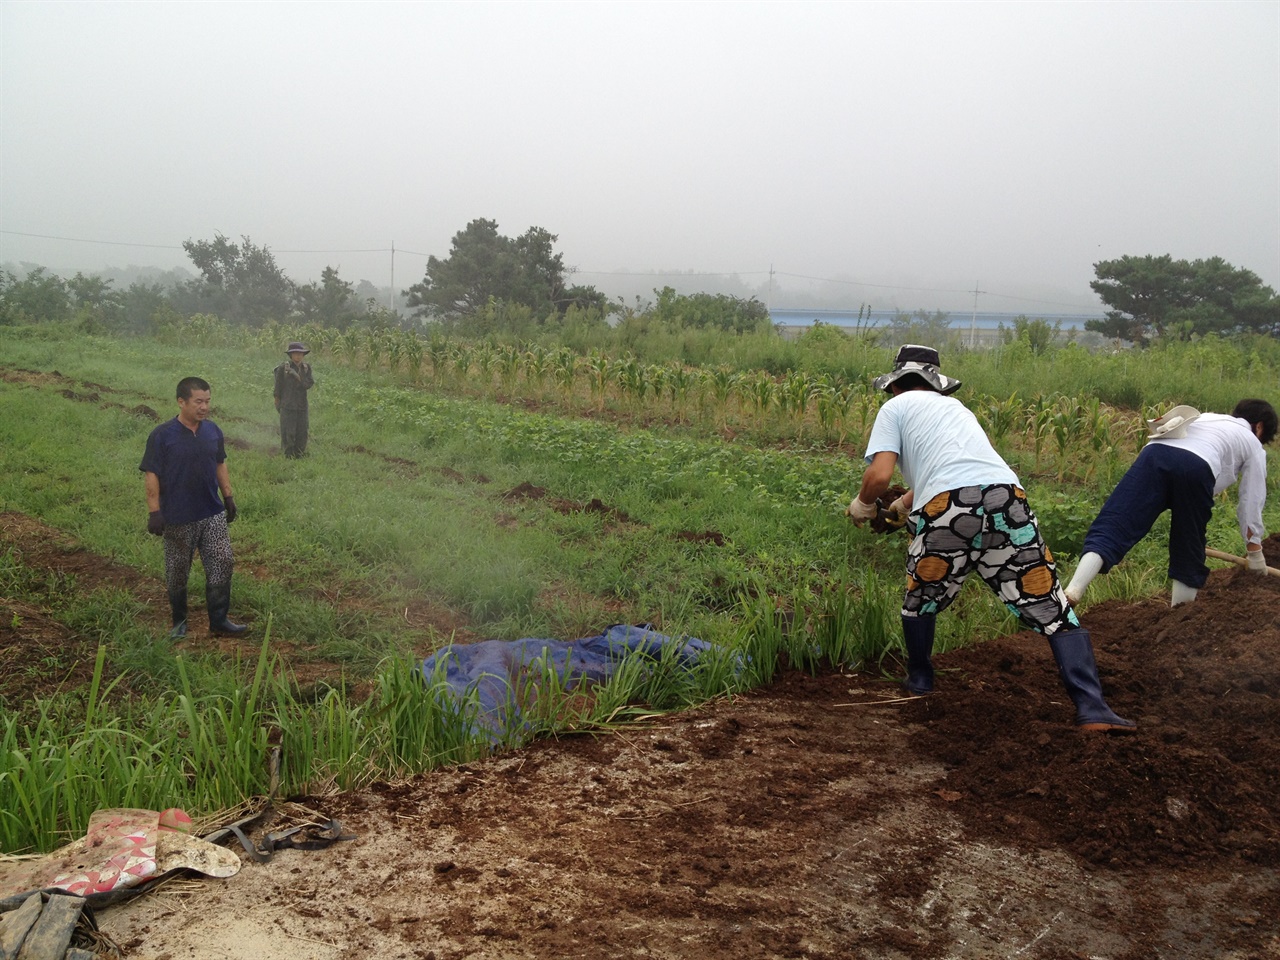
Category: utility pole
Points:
column 973, row 320
column 393, row 276
column 768, row 304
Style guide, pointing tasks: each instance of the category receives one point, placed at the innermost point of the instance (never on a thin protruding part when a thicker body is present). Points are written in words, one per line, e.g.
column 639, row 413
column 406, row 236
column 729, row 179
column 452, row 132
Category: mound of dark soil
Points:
column 1201, row 779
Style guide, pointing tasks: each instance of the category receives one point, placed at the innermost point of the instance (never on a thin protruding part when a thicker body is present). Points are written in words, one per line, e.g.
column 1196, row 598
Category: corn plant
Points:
column 438, row 357
column 1067, row 423
column 721, row 384
column 656, row 374
column 348, row 347
column 205, row 329
column 537, row 361
column 373, row 345
column 793, row 396
column 998, row 417
column 394, row 345
column 319, row 338
column 486, row 357
column 849, row 397
column 413, row 354
column 508, row 362
column 460, row 360
column 680, row 380
column 1098, row 428
column 600, row 371
column 866, row 407
column 826, row 397
column 759, row 392
column 633, row 380
column 269, row 336
column 1038, row 414
column 565, row 372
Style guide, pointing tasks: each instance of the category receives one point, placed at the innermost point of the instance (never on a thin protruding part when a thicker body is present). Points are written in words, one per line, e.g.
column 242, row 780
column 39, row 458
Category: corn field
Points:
column 1050, row 434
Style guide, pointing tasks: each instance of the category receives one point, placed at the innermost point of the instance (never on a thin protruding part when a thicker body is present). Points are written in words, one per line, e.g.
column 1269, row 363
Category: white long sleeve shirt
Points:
column 1233, row 452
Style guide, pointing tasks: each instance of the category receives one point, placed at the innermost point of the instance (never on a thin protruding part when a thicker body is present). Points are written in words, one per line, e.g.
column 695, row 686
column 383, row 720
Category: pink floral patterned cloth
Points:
column 121, row 848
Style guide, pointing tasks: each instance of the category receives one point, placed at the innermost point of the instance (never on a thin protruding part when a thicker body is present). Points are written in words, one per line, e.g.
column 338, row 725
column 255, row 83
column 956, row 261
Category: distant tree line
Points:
column 487, row 284
column 239, row 282
column 493, row 284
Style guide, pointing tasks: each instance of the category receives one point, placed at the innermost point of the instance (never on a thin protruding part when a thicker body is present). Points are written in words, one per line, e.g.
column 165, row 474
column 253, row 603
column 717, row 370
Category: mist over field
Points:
column 910, row 155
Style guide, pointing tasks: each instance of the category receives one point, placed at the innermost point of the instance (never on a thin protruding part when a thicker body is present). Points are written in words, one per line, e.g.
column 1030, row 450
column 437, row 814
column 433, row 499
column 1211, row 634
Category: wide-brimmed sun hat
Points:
column 297, row 347
column 1173, row 425
column 924, row 363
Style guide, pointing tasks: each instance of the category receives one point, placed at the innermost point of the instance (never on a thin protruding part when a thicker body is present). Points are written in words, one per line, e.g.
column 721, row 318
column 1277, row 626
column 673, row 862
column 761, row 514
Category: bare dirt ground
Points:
column 822, row 817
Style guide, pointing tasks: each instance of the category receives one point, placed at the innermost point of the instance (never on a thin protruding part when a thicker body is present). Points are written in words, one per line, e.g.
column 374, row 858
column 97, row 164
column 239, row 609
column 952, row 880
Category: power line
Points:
column 669, row 273
column 1006, row 296
column 113, row 243
column 365, row 250
column 160, row 246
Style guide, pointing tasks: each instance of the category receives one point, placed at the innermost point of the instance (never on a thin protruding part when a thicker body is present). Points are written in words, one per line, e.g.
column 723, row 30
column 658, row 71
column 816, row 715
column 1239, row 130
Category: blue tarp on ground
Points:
column 488, row 668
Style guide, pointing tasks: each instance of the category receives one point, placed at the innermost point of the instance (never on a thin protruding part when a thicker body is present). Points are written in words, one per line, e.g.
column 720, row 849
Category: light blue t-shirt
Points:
column 939, row 443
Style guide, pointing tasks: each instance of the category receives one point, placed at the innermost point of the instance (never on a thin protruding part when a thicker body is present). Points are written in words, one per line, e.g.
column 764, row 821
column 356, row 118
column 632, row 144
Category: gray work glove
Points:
column 860, row 512
column 1255, row 561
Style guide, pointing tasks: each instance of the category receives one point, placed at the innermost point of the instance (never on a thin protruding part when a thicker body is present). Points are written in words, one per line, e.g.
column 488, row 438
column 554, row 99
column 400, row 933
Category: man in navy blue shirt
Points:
column 185, row 469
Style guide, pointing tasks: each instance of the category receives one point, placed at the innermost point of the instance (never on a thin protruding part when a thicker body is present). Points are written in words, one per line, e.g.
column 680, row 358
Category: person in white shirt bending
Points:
column 1190, row 458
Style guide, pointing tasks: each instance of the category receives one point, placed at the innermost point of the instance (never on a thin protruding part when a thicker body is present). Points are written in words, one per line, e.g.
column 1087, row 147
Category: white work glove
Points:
column 1255, row 561
column 860, row 512
column 900, row 508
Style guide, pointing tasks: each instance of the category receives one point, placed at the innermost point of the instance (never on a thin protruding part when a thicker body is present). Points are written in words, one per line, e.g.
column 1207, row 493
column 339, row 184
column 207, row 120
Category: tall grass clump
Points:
column 829, row 625
column 202, row 754
column 212, row 753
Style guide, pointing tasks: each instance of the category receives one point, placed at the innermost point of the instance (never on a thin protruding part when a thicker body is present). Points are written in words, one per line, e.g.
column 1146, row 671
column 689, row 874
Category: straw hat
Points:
column 1173, row 425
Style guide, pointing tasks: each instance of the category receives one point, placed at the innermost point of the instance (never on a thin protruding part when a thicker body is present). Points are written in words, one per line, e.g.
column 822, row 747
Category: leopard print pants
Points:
column 211, row 538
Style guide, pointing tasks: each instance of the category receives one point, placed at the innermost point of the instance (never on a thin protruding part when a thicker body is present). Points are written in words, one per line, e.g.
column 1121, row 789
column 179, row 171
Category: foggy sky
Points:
column 913, row 148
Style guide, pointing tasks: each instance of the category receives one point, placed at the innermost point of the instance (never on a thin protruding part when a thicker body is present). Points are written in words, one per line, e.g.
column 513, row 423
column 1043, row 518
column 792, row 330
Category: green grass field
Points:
column 666, row 492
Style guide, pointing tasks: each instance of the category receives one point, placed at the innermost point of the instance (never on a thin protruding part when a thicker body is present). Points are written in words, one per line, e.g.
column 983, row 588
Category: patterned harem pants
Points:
column 990, row 530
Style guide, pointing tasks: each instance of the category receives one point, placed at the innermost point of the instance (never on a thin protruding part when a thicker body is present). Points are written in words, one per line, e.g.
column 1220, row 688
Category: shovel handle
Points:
column 1238, row 561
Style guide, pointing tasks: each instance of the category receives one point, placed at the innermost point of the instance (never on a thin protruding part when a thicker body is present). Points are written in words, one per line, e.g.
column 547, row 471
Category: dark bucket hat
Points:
column 297, row 347
column 924, row 363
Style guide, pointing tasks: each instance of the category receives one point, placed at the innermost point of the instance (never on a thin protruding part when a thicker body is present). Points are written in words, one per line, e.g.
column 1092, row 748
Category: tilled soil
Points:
column 821, row 817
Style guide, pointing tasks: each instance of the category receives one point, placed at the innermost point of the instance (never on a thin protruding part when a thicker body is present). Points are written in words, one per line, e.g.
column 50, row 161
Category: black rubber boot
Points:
column 1073, row 651
column 917, row 632
column 178, row 607
column 218, row 598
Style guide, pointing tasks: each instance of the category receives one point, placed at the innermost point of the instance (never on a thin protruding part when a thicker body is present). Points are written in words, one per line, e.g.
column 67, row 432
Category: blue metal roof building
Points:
column 961, row 320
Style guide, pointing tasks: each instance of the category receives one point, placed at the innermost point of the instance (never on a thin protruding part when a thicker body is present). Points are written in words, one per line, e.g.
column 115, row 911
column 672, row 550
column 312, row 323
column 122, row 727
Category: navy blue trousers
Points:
column 1162, row 478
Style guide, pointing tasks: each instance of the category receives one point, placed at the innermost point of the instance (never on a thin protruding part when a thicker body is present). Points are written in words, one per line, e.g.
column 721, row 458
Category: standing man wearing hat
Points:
column 293, row 380
column 967, row 513
column 1191, row 457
